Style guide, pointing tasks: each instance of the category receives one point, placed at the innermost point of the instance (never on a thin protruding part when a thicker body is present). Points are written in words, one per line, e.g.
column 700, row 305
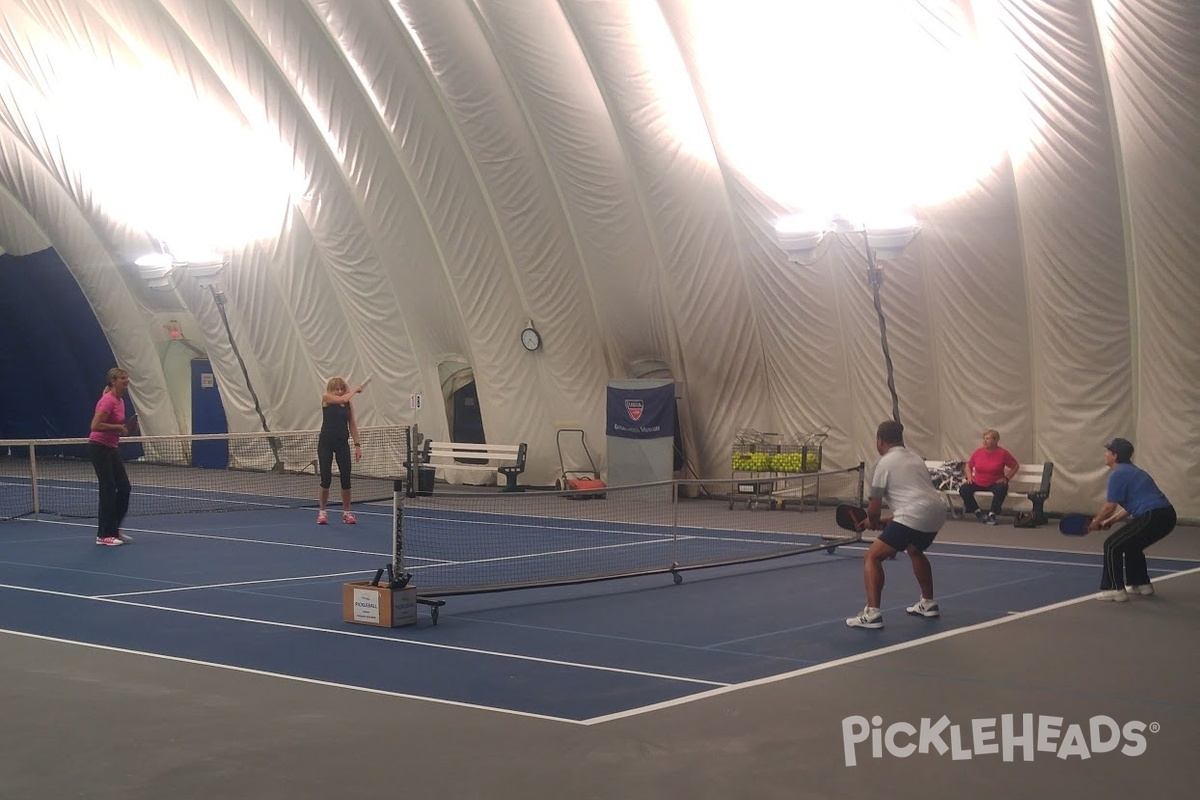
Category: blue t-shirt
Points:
column 1134, row 490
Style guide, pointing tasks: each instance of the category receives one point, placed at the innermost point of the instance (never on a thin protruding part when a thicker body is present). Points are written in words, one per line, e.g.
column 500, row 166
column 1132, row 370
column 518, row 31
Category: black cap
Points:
column 1121, row 448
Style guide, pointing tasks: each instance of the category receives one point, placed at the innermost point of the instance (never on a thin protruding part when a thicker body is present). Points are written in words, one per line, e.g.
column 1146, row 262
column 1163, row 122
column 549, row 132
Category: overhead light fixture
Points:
column 155, row 269
column 206, row 271
column 800, row 236
column 159, row 269
column 889, row 242
column 154, row 260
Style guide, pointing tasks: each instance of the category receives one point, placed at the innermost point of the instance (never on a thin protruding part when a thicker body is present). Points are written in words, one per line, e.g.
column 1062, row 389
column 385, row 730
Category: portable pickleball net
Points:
column 458, row 542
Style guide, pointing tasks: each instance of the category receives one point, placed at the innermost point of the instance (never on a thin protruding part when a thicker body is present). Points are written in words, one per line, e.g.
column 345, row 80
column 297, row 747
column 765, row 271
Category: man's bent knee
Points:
column 880, row 551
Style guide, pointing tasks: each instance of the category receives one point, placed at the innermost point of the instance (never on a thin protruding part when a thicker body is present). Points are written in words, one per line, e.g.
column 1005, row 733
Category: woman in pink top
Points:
column 989, row 469
column 108, row 424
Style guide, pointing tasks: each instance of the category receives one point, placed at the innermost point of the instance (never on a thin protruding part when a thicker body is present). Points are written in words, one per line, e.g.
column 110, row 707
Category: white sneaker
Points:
column 1113, row 595
column 1144, row 589
column 124, row 537
column 924, row 608
column 869, row 618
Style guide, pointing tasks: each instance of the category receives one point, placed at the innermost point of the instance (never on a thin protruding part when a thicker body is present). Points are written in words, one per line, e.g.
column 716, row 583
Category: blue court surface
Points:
column 262, row 591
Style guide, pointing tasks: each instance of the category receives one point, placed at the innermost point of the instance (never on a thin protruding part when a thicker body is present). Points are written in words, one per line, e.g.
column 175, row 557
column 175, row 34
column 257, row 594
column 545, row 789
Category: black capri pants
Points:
column 327, row 450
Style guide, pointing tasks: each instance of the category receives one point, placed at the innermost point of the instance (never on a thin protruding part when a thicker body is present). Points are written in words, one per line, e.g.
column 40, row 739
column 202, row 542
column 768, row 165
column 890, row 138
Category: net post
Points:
column 411, row 442
column 397, row 527
column 33, row 479
column 862, row 470
column 398, row 493
column 675, row 489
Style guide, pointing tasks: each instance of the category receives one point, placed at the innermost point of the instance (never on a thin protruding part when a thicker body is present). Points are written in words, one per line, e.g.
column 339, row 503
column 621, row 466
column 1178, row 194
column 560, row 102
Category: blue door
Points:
column 468, row 420
column 208, row 416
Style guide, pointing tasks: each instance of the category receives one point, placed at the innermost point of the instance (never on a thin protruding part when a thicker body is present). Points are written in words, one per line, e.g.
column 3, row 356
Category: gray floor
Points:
column 90, row 723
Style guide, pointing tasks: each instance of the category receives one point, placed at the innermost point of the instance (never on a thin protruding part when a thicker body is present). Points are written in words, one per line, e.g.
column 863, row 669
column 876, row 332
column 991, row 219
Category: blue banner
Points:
column 641, row 413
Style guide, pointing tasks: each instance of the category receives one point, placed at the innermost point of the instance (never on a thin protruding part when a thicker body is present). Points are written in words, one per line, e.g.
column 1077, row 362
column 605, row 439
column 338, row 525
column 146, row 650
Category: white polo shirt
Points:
column 902, row 480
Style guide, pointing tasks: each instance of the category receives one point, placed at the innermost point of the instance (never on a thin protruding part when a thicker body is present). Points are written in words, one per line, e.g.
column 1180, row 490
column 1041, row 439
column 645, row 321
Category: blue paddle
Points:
column 1074, row 525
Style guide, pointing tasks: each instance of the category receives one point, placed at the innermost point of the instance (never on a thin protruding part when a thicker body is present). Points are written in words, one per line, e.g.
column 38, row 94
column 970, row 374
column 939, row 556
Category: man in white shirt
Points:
column 918, row 511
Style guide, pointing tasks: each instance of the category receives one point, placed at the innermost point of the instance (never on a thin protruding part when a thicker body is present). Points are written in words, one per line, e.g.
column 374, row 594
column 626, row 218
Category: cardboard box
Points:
column 379, row 605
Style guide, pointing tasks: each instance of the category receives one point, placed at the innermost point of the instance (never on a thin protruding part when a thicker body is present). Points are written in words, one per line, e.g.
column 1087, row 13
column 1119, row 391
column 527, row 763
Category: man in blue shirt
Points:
column 1131, row 493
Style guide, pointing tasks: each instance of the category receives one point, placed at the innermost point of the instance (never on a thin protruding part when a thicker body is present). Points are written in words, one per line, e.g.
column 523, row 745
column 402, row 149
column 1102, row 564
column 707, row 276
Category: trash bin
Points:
column 425, row 477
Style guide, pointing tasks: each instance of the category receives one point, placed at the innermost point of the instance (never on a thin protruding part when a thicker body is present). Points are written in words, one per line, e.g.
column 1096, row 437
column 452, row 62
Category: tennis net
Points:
column 470, row 542
column 242, row 471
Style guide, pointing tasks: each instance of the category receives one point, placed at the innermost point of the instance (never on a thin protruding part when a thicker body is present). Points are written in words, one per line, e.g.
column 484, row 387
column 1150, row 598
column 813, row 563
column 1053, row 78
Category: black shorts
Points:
column 899, row 537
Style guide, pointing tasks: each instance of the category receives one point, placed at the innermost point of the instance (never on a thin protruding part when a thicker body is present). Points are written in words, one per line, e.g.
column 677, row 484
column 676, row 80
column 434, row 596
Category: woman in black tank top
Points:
column 338, row 427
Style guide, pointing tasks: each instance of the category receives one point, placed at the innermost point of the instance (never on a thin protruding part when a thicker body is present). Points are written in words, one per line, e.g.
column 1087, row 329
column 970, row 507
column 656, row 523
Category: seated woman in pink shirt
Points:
column 989, row 469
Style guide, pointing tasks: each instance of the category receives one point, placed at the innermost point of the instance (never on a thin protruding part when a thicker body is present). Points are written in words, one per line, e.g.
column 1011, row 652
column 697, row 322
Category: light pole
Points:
column 162, row 270
column 218, row 297
column 801, row 238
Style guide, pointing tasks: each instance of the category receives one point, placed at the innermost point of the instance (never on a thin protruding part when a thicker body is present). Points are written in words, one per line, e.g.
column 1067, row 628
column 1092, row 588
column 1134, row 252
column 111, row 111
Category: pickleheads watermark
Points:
column 1009, row 737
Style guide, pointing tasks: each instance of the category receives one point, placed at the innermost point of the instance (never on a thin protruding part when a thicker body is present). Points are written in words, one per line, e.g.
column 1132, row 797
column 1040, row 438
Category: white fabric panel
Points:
column 85, row 30
column 460, row 168
column 521, row 265
column 805, row 385
column 256, row 323
column 19, row 234
column 392, row 165
column 716, row 351
column 962, row 346
column 1070, row 217
column 977, row 288
column 36, row 172
column 604, row 302
column 120, row 317
column 808, row 344
column 590, row 172
column 353, row 328
column 825, row 362
column 1157, row 111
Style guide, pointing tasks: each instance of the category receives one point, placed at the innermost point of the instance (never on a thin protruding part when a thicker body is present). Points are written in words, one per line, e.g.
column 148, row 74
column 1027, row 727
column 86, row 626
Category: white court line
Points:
column 661, row 531
column 941, row 597
column 841, row 662
column 296, row 678
column 950, row 543
column 867, row 540
column 296, row 578
column 358, row 635
column 214, row 496
column 433, row 564
column 722, row 688
column 526, row 556
column 539, row 523
column 219, row 538
column 1012, row 559
column 973, row 557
